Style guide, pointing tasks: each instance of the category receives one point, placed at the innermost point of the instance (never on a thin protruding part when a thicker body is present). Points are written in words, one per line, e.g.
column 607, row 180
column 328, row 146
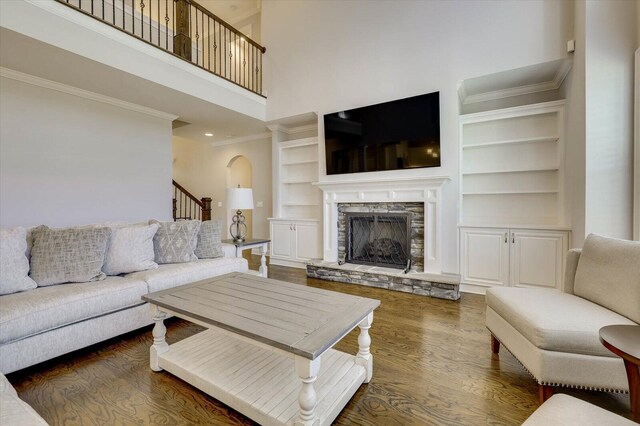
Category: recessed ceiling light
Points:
column 208, row 134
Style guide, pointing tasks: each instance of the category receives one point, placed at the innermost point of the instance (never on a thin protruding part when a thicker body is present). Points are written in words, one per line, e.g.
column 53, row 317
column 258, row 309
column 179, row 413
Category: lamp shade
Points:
column 240, row 198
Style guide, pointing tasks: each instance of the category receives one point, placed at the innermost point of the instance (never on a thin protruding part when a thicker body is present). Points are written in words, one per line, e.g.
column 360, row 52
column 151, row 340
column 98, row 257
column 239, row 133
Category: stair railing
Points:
column 187, row 206
column 186, row 30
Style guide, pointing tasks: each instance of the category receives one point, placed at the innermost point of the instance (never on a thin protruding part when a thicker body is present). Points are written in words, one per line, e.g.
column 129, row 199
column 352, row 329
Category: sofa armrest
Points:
column 229, row 250
column 573, row 256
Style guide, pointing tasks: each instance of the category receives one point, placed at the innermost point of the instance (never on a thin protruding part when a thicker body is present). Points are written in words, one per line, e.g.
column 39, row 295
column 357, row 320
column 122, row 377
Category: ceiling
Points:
column 534, row 78
column 78, row 71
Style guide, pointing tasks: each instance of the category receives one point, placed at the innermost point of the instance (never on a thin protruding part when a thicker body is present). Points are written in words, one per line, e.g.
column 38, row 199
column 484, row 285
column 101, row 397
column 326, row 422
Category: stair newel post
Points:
column 206, row 208
column 175, row 208
column 182, row 38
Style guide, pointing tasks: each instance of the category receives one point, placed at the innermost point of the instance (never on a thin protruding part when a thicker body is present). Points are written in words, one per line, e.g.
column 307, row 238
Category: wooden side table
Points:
column 624, row 341
column 250, row 244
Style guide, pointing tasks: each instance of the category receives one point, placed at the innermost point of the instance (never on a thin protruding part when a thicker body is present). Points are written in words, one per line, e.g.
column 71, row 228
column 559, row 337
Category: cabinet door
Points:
column 484, row 256
column 306, row 241
column 281, row 240
column 537, row 258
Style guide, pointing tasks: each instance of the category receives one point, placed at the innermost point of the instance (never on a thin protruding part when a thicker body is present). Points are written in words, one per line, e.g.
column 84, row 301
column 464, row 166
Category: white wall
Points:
column 67, row 160
column 611, row 40
column 202, row 170
column 328, row 56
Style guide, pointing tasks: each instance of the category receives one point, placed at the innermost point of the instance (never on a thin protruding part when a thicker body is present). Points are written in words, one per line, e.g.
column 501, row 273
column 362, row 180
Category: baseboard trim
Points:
column 289, row 263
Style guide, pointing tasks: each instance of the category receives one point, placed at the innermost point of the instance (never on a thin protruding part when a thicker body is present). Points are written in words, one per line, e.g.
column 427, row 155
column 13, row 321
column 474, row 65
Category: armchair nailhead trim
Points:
column 590, row 388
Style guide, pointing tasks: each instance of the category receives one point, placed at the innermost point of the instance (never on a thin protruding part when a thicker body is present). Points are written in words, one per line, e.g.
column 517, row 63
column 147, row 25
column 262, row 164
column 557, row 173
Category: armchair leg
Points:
column 545, row 392
column 495, row 344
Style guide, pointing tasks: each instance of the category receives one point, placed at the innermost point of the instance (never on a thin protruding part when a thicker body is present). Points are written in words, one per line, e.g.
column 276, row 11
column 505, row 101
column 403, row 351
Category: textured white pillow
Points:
column 14, row 265
column 130, row 249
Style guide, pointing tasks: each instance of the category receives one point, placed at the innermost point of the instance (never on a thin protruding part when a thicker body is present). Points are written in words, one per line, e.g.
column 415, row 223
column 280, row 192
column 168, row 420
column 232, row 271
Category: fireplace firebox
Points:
column 379, row 239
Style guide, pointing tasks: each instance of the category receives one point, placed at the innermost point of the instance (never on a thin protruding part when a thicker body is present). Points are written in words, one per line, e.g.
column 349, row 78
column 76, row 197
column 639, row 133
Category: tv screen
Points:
column 402, row 134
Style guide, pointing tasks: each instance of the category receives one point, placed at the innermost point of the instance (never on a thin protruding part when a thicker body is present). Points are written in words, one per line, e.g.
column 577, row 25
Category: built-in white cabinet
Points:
column 295, row 226
column 294, row 242
column 513, row 257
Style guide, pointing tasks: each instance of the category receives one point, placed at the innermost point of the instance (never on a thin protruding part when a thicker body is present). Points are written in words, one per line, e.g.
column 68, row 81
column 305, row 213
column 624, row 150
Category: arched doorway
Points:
column 239, row 172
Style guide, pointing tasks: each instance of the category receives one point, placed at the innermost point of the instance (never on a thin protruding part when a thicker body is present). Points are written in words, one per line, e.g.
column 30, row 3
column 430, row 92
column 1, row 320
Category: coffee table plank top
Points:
column 302, row 320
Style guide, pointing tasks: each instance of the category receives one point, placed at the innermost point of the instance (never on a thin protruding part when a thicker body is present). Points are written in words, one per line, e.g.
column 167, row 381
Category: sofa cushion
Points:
column 209, row 240
column 175, row 242
column 554, row 321
column 46, row 308
column 566, row 410
column 14, row 264
column 68, row 255
column 608, row 274
column 130, row 249
column 13, row 410
column 173, row 275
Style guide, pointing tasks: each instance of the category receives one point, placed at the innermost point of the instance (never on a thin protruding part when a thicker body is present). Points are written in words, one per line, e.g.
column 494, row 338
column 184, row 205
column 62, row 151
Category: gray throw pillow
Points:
column 130, row 249
column 209, row 240
column 175, row 242
column 14, row 265
column 68, row 255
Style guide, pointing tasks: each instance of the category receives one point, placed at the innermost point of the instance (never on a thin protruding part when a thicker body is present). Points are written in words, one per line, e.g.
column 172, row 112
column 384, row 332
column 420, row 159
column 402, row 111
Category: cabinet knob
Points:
column 505, row 237
column 513, row 237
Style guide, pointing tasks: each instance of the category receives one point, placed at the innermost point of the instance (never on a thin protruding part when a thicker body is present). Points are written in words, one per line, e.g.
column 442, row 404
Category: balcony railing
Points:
column 187, row 30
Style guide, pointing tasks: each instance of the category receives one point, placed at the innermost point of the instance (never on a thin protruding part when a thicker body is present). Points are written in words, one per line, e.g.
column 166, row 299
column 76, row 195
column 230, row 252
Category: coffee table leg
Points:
column 307, row 370
column 159, row 346
column 633, row 375
column 364, row 357
column 263, row 260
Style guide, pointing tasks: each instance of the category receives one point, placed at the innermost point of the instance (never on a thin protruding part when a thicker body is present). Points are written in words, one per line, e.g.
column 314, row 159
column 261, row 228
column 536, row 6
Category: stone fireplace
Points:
column 385, row 233
column 382, row 234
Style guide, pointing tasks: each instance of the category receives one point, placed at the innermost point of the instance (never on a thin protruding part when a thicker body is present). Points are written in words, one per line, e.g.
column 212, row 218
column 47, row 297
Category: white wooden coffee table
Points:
column 267, row 348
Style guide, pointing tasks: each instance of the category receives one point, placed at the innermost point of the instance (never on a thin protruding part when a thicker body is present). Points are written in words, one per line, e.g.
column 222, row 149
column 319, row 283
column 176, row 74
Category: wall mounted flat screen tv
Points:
column 401, row 134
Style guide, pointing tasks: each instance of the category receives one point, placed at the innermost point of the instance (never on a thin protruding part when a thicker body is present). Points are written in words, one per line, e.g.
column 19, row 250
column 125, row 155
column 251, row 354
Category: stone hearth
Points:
column 435, row 285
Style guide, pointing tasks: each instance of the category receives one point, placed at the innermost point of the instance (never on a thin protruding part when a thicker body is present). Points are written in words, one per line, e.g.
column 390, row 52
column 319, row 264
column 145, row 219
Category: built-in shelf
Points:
column 512, row 166
column 295, row 163
column 513, row 142
column 509, row 192
column 295, row 182
column 300, row 204
column 531, row 169
column 297, row 143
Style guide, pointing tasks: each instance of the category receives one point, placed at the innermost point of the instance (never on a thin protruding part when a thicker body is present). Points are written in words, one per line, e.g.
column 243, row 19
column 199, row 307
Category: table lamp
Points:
column 239, row 199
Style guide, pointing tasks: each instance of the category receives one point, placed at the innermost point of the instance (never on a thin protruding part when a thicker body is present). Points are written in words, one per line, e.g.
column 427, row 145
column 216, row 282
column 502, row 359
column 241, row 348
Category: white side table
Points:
column 250, row 244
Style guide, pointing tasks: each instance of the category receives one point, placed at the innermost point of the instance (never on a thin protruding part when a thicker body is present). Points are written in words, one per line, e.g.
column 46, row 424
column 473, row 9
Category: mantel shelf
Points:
column 513, row 142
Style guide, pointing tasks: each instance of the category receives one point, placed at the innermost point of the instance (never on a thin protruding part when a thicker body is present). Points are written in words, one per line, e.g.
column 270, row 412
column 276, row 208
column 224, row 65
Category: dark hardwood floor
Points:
column 432, row 366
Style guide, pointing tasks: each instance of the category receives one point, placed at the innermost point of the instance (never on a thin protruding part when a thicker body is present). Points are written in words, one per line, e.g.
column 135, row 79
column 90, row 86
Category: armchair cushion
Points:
column 554, row 321
column 608, row 274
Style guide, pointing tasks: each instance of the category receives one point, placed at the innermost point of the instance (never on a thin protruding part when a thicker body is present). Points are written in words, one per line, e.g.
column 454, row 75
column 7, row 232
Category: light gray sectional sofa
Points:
column 42, row 323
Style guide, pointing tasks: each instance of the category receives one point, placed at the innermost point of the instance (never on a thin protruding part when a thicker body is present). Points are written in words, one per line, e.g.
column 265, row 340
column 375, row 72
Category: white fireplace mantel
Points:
column 427, row 190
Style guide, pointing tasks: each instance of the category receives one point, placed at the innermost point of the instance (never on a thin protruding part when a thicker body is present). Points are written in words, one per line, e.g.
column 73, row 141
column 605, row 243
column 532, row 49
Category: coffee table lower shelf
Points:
column 258, row 381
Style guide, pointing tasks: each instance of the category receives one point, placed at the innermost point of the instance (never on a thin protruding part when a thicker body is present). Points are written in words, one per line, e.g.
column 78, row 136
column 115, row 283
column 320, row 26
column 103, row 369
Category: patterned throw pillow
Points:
column 175, row 242
column 130, row 249
column 14, row 265
column 209, row 240
column 68, row 255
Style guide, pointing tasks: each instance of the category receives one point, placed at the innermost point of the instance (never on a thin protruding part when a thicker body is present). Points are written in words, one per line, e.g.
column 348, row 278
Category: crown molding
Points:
column 249, row 138
column 544, row 86
column 81, row 93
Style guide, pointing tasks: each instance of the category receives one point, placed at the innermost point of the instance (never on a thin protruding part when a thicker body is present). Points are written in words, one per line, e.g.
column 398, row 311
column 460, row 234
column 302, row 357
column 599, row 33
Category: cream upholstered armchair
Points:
column 555, row 335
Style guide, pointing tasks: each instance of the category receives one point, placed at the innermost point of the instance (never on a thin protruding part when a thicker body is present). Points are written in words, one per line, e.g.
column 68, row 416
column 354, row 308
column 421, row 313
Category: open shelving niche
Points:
column 512, row 167
column 298, row 198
